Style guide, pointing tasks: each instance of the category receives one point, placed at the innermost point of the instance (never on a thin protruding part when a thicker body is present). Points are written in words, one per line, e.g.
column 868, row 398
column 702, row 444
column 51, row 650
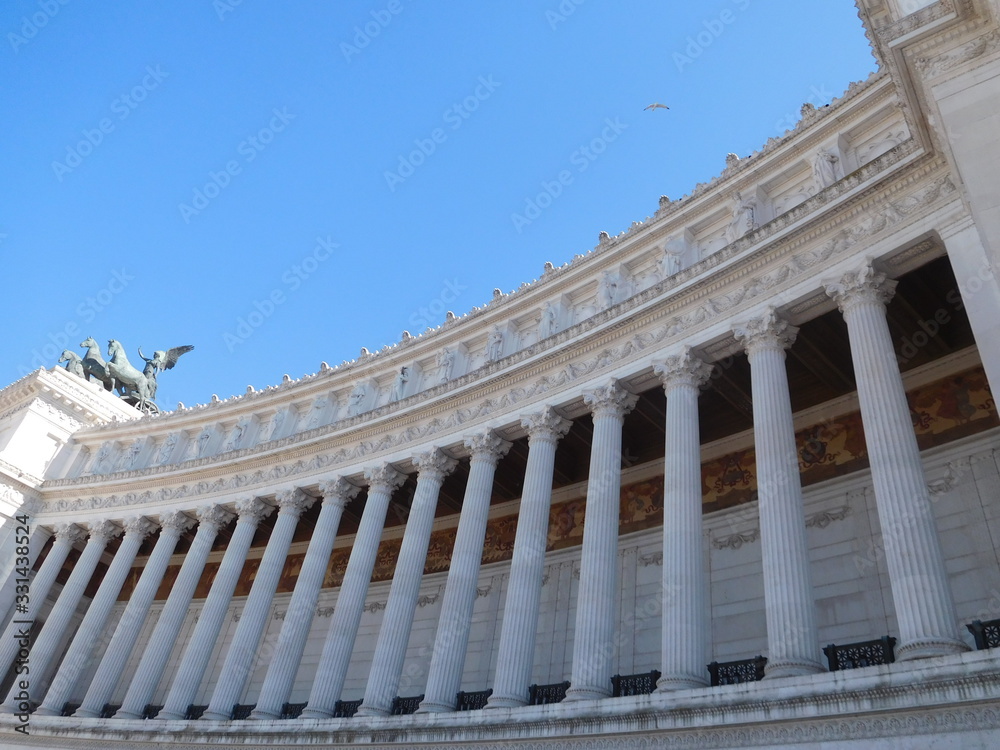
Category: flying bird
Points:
column 654, row 106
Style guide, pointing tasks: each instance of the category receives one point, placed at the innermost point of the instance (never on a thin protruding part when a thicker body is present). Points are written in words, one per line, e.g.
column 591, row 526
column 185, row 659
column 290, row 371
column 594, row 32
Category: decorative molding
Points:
column 986, row 44
column 955, row 471
column 735, row 541
column 825, row 517
column 655, row 558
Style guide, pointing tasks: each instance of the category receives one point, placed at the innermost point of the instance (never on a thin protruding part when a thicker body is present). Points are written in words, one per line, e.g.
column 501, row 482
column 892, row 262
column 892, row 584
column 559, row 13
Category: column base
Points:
column 120, row 714
column 585, row 694
column 87, row 713
column 924, row 648
column 170, row 716
column 505, row 701
column 262, row 714
column 43, row 711
column 216, row 716
column 366, row 709
column 315, row 713
column 434, row 707
column 680, row 682
column 792, row 668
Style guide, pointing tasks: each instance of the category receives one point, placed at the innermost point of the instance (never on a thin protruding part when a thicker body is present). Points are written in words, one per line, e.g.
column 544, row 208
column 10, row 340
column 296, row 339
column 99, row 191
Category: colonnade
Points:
column 919, row 584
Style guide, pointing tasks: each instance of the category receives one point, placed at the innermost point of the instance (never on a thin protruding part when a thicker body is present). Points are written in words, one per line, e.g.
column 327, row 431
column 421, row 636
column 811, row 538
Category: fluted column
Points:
column 451, row 641
column 157, row 650
column 239, row 659
column 18, row 629
column 597, row 602
column 790, row 609
column 206, row 632
column 917, row 576
column 685, row 627
column 23, row 557
column 280, row 678
column 89, row 633
column 339, row 645
column 126, row 633
column 520, row 614
column 44, row 653
column 390, row 650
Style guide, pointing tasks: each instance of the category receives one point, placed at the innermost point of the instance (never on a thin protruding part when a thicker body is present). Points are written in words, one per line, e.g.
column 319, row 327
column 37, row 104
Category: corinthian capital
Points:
column 138, row 526
column 434, row 465
column 104, row 531
column 684, row 369
column 545, row 425
column 338, row 491
column 768, row 332
column 383, row 478
column 861, row 287
column 214, row 516
column 610, row 401
column 487, row 446
column 253, row 509
column 69, row 533
column 293, row 501
column 175, row 521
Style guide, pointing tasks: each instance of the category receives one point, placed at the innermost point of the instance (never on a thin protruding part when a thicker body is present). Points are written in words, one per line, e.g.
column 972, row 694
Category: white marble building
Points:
column 756, row 424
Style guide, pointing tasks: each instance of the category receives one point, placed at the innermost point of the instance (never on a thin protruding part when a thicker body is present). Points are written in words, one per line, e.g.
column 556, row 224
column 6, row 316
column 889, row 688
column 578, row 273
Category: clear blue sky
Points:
column 230, row 136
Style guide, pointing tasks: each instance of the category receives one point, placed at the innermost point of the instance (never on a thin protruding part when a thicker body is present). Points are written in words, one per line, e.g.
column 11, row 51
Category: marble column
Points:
column 126, row 633
column 921, row 592
column 44, row 652
column 92, row 629
column 253, row 619
column 792, row 640
column 161, row 643
column 520, row 615
column 685, row 628
column 22, row 558
column 978, row 292
column 280, row 678
column 597, row 602
column 66, row 536
column 451, row 641
column 390, row 649
column 199, row 648
column 339, row 645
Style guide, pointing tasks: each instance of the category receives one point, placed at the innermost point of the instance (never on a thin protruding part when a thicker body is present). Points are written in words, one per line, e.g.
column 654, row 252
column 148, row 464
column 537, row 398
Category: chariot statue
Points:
column 118, row 374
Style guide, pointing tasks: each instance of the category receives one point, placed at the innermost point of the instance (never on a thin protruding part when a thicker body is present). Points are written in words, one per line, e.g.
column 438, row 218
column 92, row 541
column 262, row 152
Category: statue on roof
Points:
column 118, row 374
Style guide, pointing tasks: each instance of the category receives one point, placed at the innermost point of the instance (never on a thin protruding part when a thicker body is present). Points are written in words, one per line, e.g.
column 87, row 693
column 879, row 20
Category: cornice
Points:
column 80, row 401
column 548, row 371
column 772, row 157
